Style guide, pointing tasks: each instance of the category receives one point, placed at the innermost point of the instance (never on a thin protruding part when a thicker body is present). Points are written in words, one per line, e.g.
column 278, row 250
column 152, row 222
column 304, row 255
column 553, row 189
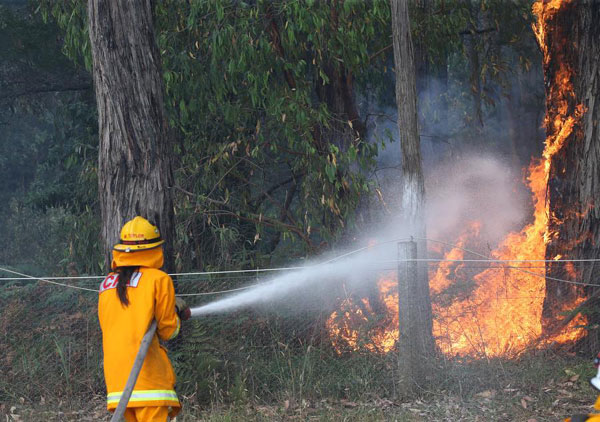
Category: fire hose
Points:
column 135, row 371
column 184, row 314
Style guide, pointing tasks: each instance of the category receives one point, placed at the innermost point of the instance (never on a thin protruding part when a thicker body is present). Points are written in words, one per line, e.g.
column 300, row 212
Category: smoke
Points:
column 473, row 167
column 476, row 188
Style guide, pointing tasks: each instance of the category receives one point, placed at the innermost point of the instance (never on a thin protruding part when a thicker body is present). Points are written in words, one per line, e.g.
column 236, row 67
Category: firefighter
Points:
column 131, row 296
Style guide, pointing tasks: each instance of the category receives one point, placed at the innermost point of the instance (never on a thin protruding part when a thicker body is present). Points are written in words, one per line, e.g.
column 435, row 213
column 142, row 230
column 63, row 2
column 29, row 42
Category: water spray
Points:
column 278, row 287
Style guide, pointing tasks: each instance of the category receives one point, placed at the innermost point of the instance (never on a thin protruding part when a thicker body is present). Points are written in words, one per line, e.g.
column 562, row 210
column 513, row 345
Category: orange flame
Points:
column 501, row 315
column 346, row 326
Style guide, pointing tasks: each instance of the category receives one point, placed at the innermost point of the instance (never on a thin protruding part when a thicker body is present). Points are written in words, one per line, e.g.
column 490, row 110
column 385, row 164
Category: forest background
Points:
column 231, row 100
column 283, row 122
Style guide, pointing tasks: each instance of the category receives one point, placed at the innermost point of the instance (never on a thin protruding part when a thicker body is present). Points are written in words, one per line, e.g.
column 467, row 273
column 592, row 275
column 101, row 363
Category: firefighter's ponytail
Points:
column 125, row 274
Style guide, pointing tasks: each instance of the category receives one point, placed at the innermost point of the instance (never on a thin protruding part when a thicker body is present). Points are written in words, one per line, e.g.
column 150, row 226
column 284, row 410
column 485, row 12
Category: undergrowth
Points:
column 259, row 365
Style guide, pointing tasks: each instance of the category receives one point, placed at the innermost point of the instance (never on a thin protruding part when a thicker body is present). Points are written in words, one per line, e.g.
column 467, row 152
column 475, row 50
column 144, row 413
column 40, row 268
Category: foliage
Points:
column 27, row 43
column 269, row 104
column 265, row 152
column 71, row 16
column 47, row 150
column 48, row 163
column 262, row 156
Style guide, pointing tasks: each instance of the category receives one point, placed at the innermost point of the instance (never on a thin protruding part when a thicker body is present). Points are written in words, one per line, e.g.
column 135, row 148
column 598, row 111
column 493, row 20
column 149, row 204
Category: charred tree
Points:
column 134, row 166
column 416, row 341
column 569, row 36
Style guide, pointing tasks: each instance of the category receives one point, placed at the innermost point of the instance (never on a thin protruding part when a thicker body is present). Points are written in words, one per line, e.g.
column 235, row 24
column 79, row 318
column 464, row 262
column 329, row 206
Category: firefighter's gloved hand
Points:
column 182, row 309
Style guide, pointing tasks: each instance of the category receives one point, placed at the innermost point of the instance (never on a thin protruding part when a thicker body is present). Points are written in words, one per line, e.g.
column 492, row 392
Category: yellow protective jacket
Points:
column 151, row 296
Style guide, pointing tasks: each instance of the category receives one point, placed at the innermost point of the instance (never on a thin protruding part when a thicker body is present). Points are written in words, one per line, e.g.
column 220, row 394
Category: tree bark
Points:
column 134, row 165
column 571, row 69
column 420, row 350
column 474, row 63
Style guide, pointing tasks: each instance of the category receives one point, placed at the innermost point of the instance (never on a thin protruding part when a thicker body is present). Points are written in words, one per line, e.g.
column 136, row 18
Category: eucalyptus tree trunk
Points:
column 416, row 341
column 572, row 74
column 134, row 165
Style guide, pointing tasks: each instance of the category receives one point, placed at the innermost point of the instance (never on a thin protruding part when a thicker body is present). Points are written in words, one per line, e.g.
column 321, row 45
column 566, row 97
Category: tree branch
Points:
column 285, row 213
column 267, row 221
column 377, row 53
column 475, row 31
column 276, row 40
column 203, row 198
column 273, row 188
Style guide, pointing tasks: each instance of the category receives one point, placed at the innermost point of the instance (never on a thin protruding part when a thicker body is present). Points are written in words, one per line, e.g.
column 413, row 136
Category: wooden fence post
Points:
column 411, row 360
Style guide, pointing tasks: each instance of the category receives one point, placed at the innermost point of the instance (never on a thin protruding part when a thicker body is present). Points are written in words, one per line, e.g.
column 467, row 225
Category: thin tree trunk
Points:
column 571, row 69
column 515, row 127
column 420, row 350
column 134, row 166
column 474, row 63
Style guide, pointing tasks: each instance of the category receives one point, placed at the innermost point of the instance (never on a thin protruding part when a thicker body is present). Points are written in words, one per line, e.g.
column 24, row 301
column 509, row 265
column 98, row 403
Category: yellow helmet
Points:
column 138, row 235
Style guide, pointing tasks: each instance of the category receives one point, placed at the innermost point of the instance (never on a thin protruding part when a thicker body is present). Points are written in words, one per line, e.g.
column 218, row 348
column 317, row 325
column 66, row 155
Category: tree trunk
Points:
column 420, row 349
column 571, row 59
column 134, row 166
column 472, row 46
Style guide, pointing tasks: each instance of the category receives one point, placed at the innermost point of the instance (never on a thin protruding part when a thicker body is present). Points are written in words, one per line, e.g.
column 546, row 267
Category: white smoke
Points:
column 476, row 188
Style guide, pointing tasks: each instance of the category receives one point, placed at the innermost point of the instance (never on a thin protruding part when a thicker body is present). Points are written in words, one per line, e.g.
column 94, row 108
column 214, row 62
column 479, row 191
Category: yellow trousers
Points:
column 147, row 414
column 584, row 418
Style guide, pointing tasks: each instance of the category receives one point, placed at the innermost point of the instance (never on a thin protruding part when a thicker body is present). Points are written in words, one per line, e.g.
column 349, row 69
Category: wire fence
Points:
column 336, row 336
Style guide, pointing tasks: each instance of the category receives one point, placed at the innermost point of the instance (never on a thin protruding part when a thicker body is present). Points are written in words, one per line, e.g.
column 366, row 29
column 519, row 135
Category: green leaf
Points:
column 330, row 171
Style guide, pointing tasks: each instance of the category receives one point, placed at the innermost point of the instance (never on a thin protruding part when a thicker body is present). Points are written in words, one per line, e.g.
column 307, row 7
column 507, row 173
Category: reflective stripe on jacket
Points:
column 143, row 396
column 151, row 296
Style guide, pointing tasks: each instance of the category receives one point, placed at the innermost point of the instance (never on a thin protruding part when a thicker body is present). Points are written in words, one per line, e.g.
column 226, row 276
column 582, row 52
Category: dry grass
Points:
column 51, row 371
column 555, row 391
